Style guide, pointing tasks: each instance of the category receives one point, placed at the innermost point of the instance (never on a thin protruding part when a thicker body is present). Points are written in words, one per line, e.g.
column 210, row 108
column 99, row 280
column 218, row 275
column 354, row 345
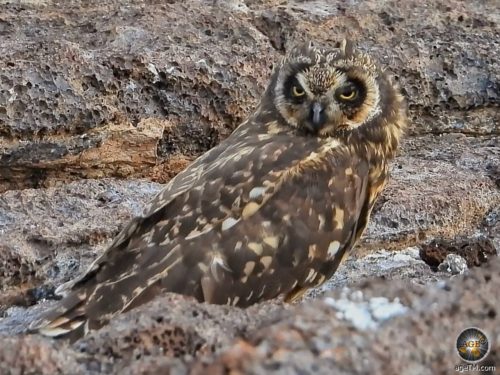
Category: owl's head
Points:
column 334, row 92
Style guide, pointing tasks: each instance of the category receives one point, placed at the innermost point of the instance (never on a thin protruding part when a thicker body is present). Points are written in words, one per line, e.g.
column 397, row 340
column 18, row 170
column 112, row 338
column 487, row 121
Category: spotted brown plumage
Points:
column 270, row 211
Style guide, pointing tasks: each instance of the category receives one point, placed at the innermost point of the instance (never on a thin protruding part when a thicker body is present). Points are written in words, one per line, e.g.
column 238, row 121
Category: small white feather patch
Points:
column 58, row 331
column 333, row 248
column 256, row 192
column 229, row 222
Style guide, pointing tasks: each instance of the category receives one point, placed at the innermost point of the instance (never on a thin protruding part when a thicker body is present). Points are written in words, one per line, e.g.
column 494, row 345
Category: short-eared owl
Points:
column 271, row 210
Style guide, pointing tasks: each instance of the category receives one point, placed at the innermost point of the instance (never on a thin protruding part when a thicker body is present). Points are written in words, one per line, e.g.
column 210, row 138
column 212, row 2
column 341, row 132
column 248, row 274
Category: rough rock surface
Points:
column 388, row 325
column 81, row 81
column 49, row 234
column 101, row 100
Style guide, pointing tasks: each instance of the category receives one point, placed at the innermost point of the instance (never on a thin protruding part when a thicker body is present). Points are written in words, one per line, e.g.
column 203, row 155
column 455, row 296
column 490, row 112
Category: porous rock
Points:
column 314, row 337
column 77, row 78
column 96, row 94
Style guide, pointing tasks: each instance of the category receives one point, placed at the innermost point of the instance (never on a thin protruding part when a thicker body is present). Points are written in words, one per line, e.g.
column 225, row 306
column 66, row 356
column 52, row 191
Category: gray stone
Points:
column 454, row 264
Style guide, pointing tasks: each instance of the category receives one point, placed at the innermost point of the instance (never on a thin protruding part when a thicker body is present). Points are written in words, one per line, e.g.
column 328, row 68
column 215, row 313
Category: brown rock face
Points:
column 377, row 326
column 474, row 252
column 91, row 79
column 102, row 100
column 78, row 77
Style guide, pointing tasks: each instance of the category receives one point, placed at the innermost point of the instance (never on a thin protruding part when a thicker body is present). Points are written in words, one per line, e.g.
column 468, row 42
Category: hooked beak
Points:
column 317, row 116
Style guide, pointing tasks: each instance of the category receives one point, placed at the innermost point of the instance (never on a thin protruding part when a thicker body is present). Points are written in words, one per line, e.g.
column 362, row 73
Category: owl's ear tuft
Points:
column 346, row 46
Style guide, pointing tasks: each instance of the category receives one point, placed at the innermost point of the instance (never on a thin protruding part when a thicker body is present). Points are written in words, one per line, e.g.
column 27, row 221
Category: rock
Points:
column 91, row 80
column 454, row 264
column 102, row 100
column 440, row 53
column 86, row 81
column 365, row 314
column 36, row 356
column 172, row 326
column 378, row 326
column 49, row 235
column 420, row 338
column 474, row 251
column 434, row 192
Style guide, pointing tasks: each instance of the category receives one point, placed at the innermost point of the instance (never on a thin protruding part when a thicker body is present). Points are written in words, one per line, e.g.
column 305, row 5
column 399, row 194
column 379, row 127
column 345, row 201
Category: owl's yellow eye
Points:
column 350, row 93
column 298, row 91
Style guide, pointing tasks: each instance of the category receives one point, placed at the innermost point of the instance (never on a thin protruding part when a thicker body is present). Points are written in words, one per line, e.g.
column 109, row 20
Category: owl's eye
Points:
column 347, row 93
column 298, row 91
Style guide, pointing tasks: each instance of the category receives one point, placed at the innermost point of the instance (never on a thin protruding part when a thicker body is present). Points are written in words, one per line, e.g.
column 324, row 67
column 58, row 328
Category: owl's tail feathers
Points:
column 66, row 320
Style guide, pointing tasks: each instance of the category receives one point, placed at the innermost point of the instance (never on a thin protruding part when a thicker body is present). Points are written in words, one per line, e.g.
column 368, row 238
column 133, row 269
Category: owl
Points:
column 272, row 210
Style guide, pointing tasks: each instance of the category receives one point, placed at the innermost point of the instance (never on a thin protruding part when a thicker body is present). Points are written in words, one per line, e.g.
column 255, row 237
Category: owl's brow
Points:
column 341, row 80
column 303, row 82
column 322, row 79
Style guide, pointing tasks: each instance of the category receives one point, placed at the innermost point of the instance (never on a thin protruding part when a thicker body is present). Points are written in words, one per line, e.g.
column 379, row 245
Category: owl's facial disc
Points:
column 323, row 106
column 308, row 110
column 329, row 93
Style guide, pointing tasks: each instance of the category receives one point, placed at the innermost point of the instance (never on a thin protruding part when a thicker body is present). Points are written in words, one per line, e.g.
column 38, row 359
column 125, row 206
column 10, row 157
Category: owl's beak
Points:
column 317, row 116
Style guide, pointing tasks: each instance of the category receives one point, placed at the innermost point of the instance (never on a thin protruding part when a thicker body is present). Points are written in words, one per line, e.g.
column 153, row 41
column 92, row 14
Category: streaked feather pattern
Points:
column 271, row 210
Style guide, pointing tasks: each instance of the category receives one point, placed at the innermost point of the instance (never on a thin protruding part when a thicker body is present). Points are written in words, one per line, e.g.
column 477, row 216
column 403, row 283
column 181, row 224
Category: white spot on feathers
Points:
column 333, row 248
column 218, row 266
column 256, row 192
column 229, row 223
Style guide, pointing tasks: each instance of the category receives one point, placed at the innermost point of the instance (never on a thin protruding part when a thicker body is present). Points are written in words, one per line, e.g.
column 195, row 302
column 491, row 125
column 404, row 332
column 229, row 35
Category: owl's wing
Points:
column 181, row 183
column 210, row 221
column 295, row 237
